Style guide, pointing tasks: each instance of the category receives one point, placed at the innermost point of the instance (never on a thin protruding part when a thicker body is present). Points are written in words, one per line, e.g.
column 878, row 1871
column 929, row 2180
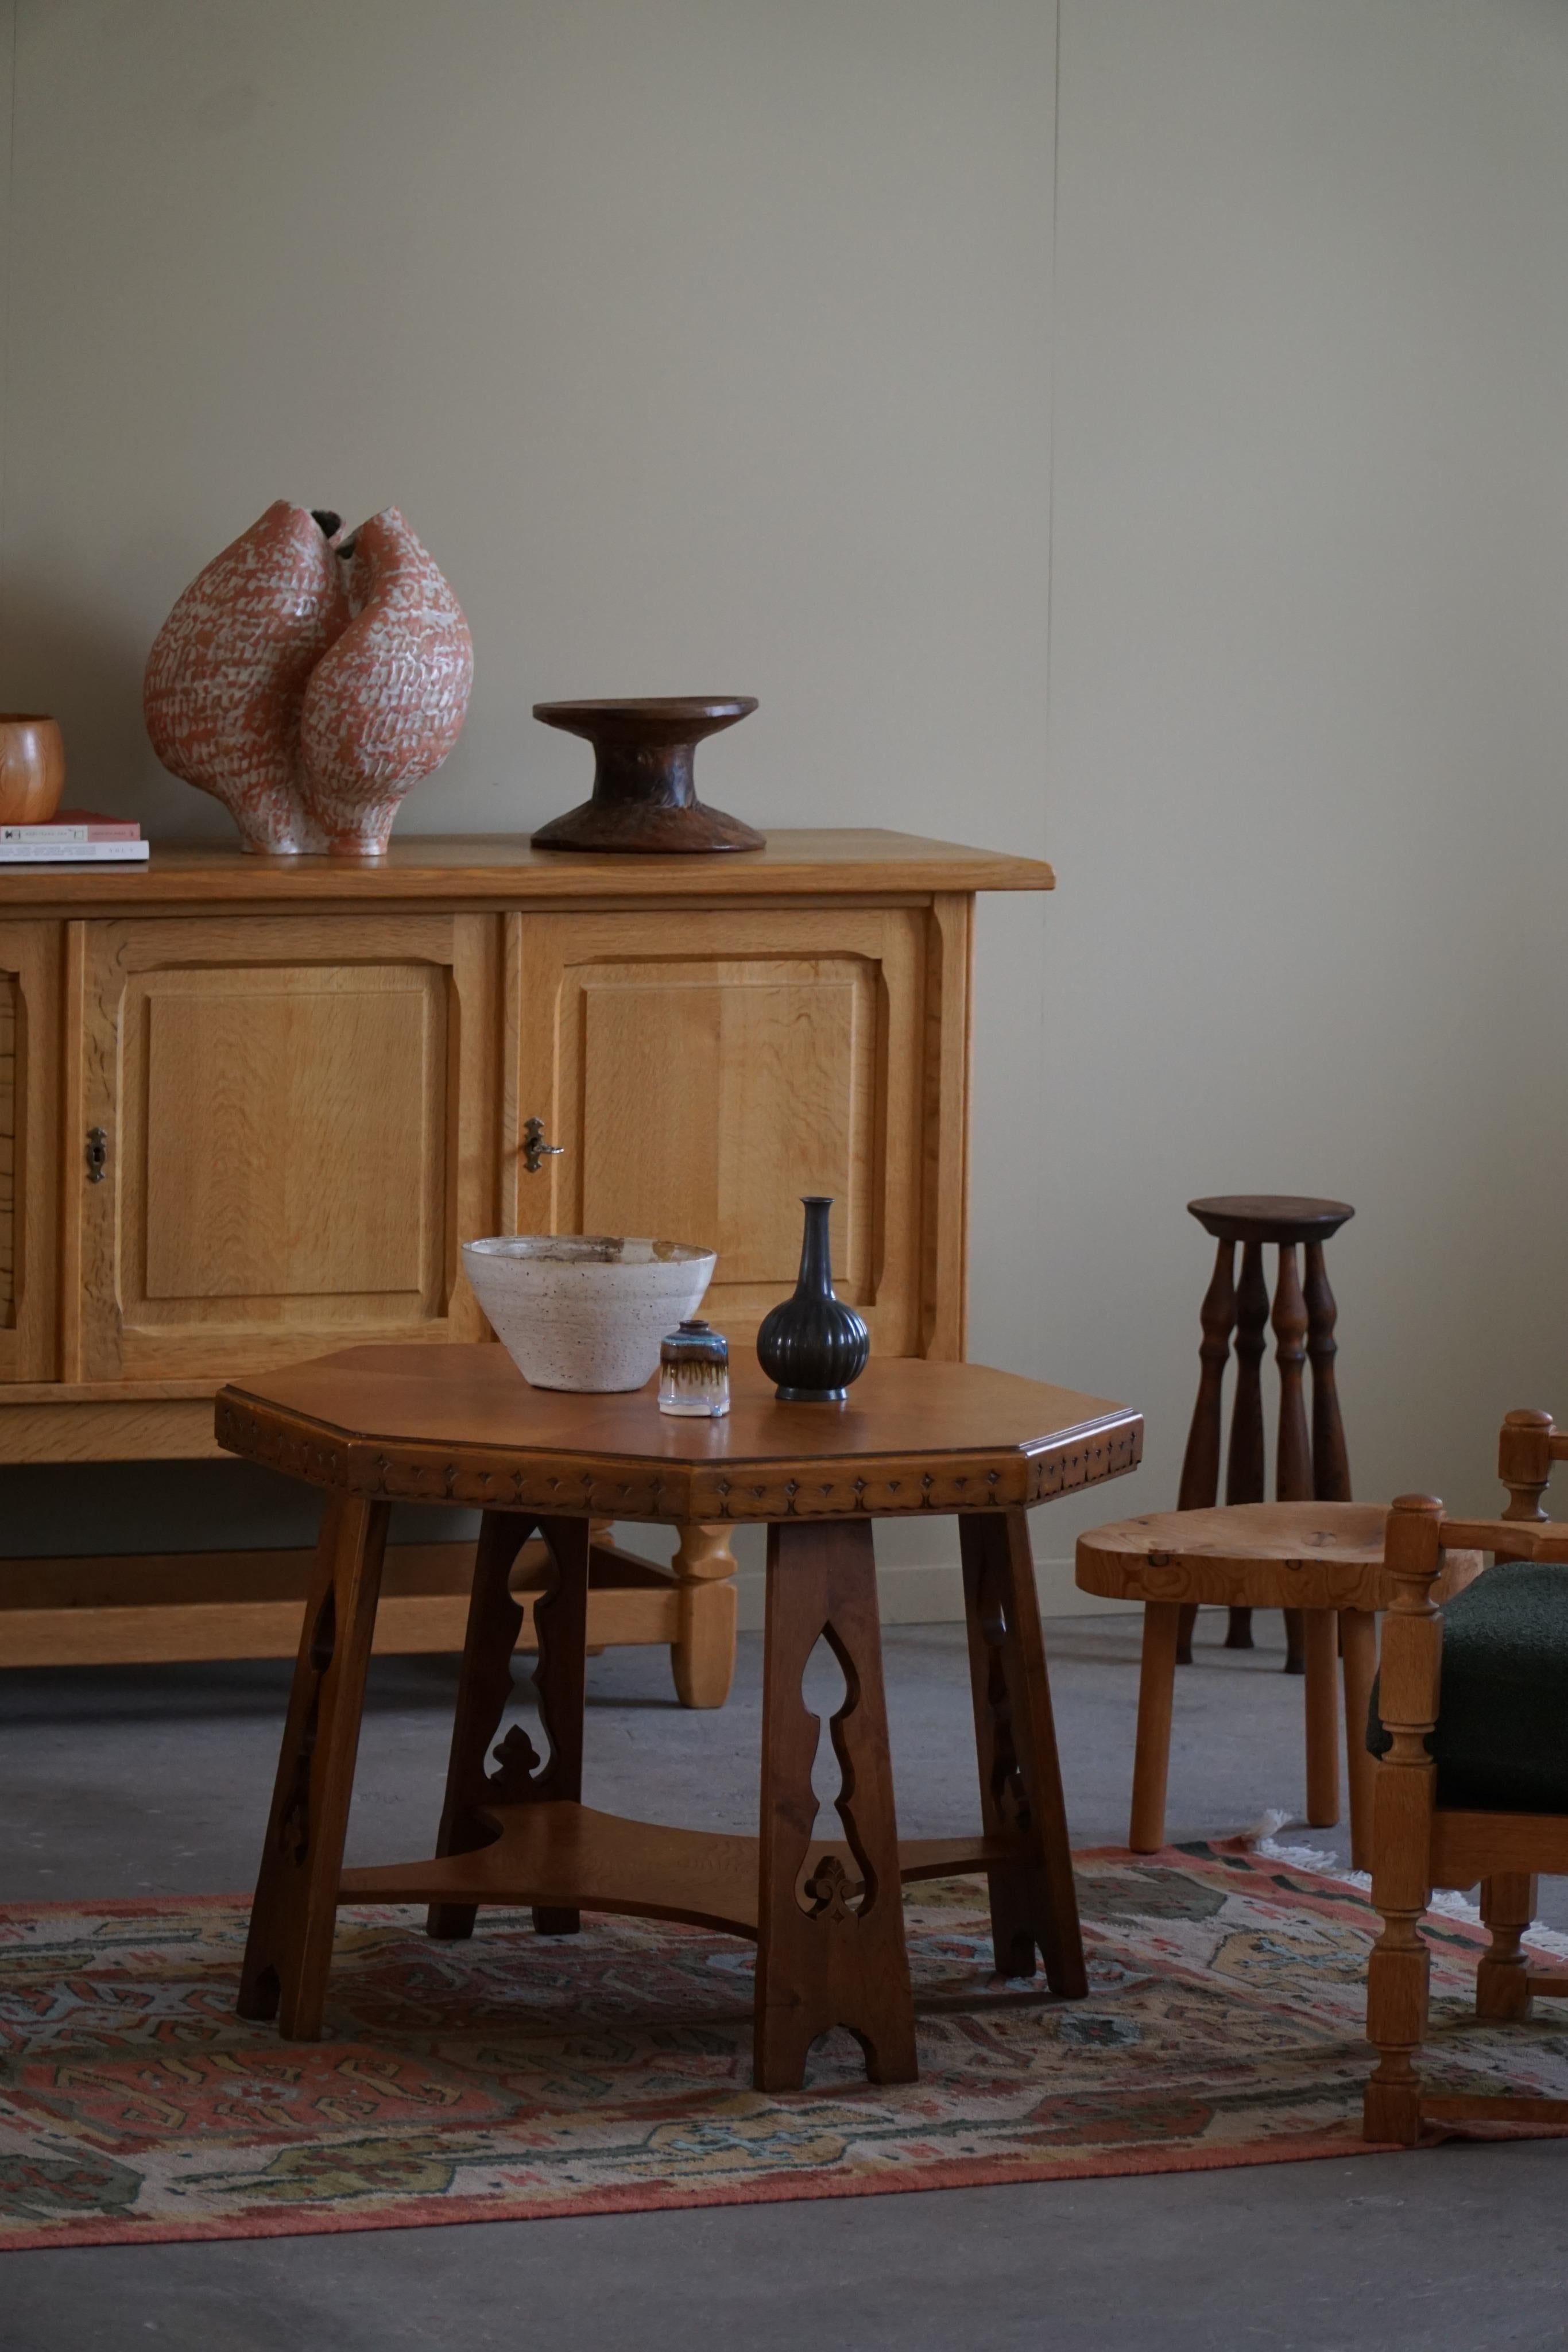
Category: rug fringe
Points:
column 1318, row 1863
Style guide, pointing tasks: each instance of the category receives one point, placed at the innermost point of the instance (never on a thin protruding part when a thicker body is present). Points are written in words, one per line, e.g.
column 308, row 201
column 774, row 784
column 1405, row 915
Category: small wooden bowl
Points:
column 32, row 768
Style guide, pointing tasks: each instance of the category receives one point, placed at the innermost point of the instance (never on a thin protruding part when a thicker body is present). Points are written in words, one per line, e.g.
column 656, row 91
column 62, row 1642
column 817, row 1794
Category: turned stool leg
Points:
column 1358, row 1651
column 1293, row 1464
column 1322, row 1647
column 1152, row 1755
column 1244, row 1471
column 1502, row 1980
column 830, row 1951
column 1200, row 1468
column 288, row 1952
column 1331, row 1465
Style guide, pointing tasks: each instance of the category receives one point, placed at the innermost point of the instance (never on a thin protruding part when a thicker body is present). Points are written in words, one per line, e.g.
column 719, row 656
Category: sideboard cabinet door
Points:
column 703, row 1069
column 29, row 1130
column 297, row 1128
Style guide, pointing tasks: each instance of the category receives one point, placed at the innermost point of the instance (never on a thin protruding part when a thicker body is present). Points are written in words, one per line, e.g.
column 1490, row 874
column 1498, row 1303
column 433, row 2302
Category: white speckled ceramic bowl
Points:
column 586, row 1311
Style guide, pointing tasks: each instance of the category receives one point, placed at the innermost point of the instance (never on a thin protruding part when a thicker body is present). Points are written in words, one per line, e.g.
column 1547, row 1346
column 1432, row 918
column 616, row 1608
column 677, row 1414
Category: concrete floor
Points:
column 156, row 1780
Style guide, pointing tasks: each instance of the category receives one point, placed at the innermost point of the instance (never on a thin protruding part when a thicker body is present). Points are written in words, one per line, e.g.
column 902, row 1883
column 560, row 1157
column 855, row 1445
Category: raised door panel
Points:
column 29, row 1122
column 705, row 1070
column 289, row 1105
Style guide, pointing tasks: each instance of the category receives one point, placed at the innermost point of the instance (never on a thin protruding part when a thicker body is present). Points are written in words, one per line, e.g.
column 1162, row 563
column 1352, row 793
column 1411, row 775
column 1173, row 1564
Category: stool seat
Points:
column 1502, row 1693
column 1284, row 1217
column 1247, row 1555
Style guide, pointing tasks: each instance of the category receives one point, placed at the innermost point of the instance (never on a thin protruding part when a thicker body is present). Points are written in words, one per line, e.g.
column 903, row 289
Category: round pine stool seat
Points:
column 1323, row 1558
column 1246, row 1555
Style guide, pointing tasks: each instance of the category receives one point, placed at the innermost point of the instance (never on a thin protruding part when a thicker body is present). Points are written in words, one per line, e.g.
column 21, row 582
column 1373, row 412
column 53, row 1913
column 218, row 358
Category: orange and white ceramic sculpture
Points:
column 307, row 681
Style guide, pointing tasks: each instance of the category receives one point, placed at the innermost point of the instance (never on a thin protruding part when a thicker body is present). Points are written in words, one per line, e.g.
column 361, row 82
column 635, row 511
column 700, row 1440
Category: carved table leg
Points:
column 1033, row 1903
column 1200, row 1467
column 701, row 1657
column 484, row 1687
column 288, row 1953
column 830, row 1950
column 520, row 1778
column 1502, row 1980
column 1244, row 1470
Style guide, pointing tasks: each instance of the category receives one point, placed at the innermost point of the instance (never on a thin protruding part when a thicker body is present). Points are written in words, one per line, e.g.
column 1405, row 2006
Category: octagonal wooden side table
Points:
column 378, row 1425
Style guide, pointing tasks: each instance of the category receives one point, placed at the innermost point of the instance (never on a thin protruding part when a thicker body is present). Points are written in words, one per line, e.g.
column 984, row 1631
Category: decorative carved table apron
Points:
column 379, row 1426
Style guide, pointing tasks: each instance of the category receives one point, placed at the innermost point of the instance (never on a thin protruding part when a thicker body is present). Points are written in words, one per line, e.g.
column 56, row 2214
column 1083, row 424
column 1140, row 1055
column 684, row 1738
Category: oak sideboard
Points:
column 250, row 1107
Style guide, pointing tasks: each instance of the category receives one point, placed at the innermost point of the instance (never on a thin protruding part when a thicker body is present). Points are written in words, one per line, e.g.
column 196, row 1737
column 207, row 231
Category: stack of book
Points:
column 73, row 837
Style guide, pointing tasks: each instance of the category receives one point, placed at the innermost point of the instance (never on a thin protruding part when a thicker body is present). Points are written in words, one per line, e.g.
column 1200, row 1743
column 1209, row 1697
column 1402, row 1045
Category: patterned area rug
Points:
column 515, row 2075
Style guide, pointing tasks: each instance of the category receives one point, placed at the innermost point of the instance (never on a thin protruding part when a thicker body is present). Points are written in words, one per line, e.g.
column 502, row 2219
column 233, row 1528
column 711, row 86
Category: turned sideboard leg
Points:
column 484, row 1688
column 702, row 1656
column 288, row 1953
column 1033, row 1901
column 830, row 1947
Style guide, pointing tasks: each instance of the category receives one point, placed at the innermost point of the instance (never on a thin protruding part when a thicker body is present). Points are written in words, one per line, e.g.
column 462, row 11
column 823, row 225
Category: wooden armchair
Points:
column 1487, row 1800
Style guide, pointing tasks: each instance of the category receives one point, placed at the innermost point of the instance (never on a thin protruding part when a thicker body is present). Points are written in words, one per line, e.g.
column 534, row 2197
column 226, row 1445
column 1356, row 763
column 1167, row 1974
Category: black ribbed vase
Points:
column 813, row 1345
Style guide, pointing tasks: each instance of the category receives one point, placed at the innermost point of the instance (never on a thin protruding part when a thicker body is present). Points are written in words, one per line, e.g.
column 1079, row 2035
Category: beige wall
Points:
column 709, row 344
column 1309, row 768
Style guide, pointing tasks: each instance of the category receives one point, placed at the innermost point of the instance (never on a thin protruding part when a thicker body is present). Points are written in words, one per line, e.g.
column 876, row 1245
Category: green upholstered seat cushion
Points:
column 1501, row 1739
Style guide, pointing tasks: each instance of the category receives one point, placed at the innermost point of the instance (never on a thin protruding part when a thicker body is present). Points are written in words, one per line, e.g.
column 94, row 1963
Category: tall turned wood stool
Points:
column 1324, row 1560
column 1303, row 1320
column 459, row 1425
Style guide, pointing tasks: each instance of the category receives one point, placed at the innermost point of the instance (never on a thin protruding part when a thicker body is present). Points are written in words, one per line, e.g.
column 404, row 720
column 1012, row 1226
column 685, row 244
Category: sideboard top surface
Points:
column 827, row 861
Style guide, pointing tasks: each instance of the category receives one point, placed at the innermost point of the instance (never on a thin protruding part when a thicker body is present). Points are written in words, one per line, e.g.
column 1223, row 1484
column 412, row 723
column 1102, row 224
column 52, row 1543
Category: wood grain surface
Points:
column 827, row 860
column 464, row 1426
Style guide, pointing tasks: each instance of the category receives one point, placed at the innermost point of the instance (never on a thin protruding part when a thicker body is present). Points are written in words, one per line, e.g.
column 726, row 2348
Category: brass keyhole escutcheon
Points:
column 96, row 1154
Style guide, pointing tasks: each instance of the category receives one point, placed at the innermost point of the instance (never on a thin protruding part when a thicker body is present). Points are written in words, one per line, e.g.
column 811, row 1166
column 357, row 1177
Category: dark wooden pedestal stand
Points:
column 643, row 796
column 377, row 1423
column 1306, row 1470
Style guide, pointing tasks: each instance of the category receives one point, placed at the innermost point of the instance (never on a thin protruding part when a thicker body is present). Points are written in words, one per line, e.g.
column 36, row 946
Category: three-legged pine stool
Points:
column 1324, row 1559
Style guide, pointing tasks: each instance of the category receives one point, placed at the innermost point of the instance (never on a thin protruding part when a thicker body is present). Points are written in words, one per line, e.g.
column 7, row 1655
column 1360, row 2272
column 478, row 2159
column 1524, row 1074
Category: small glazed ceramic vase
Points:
column 694, row 1373
column 32, row 768
column 813, row 1345
column 585, row 1311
